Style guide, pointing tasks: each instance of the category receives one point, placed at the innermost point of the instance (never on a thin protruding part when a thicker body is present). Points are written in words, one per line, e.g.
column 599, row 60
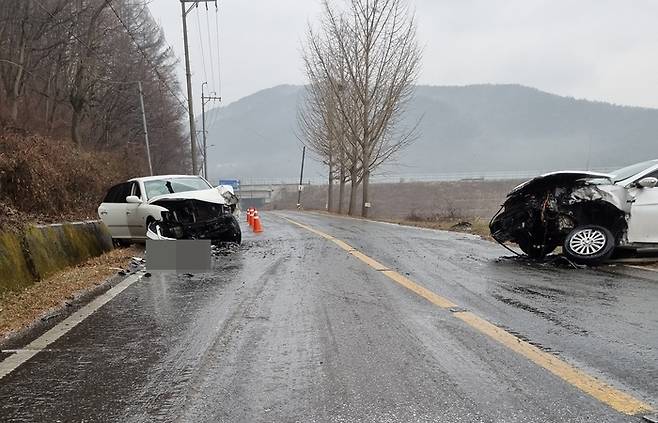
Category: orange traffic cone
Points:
column 258, row 227
column 250, row 217
column 247, row 213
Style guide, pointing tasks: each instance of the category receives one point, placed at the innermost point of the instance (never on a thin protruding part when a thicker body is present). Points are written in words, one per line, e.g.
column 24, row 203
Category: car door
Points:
column 643, row 222
column 113, row 210
column 136, row 214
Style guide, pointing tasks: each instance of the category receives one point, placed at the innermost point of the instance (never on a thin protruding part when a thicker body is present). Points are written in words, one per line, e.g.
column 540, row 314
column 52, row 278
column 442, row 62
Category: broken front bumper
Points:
column 222, row 229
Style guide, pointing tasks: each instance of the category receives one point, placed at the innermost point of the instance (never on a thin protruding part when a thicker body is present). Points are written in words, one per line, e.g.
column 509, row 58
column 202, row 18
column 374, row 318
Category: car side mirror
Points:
column 649, row 182
column 133, row 199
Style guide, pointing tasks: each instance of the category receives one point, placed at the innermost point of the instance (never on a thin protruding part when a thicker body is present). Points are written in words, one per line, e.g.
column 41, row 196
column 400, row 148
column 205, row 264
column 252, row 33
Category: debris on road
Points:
column 224, row 249
column 555, row 260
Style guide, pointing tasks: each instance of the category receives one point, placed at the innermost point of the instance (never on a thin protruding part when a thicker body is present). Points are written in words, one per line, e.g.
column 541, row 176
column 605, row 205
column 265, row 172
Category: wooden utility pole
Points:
column 146, row 132
column 188, row 74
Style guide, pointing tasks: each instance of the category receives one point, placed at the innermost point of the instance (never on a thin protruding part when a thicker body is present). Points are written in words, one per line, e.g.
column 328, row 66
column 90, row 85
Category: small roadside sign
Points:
column 235, row 183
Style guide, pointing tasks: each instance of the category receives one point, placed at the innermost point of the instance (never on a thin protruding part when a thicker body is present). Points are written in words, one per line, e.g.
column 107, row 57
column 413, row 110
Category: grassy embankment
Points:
column 18, row 309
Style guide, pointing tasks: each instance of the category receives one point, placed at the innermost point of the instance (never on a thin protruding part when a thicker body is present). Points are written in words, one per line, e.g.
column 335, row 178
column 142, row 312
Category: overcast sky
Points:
column 596, row 49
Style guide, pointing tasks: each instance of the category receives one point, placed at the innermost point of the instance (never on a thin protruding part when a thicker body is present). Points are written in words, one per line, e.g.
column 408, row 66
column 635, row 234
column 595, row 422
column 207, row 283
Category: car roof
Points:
column 160, row 177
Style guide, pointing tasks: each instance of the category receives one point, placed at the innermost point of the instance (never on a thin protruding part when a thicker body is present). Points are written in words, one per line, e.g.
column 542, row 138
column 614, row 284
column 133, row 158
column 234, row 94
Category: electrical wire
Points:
column 212, row 60
column 42, row 7
column 148, row 60
column 91, row 50
column 218, row 81
column 203, row 55
column 219, row 68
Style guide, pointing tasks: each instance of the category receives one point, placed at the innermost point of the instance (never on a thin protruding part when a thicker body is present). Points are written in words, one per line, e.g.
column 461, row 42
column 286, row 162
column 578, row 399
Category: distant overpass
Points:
column 260, row 195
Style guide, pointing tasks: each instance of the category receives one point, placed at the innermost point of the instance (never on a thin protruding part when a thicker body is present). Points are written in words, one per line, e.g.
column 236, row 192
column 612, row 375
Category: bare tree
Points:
column 369, row 57
column 328, row 113
column 320, row 131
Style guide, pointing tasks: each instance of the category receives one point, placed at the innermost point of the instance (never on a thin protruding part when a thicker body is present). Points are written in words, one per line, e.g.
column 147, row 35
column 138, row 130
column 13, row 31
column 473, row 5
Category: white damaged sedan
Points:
column 171, row 207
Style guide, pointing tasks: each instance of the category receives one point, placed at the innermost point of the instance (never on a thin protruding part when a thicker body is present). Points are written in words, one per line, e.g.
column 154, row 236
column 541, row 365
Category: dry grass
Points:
column 20, row 309
column 478, row 226
column 46, row 180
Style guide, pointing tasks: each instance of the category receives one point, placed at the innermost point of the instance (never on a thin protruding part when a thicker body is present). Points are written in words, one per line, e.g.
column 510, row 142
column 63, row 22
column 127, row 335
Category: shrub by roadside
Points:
column 44, row 180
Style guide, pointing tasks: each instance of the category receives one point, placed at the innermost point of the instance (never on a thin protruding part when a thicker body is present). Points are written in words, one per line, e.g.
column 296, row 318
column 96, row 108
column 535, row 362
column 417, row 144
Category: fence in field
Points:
column 400, row 178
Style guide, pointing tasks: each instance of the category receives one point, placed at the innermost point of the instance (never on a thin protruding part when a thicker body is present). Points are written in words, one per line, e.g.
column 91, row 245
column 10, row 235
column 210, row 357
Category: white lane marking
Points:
column 15, row 360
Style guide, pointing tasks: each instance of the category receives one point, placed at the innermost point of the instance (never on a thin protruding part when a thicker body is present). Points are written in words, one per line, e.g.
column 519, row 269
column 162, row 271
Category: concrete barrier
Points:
column 40, row 251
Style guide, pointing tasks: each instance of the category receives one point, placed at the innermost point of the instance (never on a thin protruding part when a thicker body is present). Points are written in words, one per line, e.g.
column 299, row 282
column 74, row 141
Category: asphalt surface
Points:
column 292, row 328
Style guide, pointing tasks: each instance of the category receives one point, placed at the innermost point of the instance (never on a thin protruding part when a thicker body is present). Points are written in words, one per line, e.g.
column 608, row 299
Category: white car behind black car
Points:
column 170, row 207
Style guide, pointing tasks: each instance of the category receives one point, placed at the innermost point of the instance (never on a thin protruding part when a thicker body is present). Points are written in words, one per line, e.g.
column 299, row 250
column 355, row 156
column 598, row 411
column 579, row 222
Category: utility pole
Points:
column 205, row 100
column 188, row 73
column 146, row 132
column 301, row 178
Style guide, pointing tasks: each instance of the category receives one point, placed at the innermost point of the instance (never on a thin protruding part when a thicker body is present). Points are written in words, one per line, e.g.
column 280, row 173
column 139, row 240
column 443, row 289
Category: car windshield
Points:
column 628, row 171
column 173, row 185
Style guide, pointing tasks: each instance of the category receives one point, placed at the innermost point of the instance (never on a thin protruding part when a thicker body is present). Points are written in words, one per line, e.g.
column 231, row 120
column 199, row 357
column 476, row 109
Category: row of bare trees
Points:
column 361, row 63
column 69, row 68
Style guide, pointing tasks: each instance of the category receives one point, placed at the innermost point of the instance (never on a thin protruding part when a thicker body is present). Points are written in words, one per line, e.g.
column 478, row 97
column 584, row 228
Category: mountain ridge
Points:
column 471, row 128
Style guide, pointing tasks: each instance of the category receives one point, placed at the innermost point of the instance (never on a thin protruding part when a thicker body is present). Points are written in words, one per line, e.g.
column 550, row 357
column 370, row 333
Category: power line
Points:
column 148, row 60
column 203, row 54
column 219, row 68
column 92, row 52
column 218, row 81
column 212, row 65
column 42, row 7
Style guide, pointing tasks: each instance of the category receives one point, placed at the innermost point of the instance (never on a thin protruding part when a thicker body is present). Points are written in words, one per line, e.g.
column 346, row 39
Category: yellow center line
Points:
column 616, row 399
column 420, row 290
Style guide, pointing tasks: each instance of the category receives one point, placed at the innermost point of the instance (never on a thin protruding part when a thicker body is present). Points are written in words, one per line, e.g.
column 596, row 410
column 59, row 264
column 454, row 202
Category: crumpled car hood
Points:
column 557, row 179
column 212, row 195
column 540, row 213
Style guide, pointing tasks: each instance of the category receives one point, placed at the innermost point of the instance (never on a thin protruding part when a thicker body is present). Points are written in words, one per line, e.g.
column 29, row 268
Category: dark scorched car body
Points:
column 540, row 214
column 208, row 214
column 195, row 219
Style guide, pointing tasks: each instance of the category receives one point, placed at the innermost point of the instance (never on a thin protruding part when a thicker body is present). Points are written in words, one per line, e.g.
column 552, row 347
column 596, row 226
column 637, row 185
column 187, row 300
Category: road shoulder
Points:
column 26, row 314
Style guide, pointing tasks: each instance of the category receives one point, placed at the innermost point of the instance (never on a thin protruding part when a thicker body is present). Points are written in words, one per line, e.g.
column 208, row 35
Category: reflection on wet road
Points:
column 293, row 328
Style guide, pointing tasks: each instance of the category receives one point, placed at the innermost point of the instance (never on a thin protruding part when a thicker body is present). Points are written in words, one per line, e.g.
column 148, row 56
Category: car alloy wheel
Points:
column 587, row 242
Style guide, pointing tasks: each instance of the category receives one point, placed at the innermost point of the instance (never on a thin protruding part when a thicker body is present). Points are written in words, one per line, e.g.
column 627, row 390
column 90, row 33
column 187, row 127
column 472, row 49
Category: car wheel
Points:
column 236, row 233
column 535, row 250
column 589, row 244
column 233, row 234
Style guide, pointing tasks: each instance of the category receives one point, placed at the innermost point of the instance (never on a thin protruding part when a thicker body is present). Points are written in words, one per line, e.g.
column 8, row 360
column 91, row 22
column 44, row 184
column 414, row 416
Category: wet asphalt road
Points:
column 292, row 328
